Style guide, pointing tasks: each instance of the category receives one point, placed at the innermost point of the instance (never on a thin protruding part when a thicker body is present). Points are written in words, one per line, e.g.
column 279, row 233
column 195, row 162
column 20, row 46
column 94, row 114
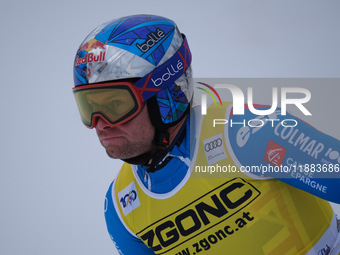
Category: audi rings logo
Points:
column 213, row 144
column 214, row 149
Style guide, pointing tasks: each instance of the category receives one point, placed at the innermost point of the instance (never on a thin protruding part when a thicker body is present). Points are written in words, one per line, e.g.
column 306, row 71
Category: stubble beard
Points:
column 128, row 150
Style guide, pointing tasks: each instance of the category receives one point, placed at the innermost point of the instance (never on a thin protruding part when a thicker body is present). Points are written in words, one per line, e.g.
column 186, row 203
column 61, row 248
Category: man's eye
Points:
column 116, row 103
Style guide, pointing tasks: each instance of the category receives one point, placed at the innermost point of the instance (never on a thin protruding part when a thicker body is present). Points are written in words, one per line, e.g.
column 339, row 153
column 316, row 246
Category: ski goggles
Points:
column 115, row 102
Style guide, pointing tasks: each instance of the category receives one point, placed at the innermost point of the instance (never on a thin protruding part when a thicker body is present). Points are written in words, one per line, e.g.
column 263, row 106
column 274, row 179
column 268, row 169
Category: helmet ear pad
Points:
column 164, row 112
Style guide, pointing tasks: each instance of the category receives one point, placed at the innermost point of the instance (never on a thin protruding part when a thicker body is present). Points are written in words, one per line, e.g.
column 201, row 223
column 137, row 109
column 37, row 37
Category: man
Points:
column 133, row 83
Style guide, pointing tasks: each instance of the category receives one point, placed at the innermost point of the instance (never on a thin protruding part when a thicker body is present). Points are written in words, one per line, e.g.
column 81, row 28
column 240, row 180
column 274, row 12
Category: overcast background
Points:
column 54, row 173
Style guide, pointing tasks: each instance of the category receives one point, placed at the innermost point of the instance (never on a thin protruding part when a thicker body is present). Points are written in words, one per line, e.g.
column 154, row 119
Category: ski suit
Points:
column 209, row 198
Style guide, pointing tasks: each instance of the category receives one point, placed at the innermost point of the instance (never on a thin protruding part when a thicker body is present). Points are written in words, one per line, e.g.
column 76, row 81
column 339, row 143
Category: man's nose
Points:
column 102, row 124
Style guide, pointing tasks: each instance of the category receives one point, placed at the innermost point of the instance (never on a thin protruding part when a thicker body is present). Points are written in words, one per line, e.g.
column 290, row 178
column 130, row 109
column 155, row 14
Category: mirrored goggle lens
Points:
column 116, row 104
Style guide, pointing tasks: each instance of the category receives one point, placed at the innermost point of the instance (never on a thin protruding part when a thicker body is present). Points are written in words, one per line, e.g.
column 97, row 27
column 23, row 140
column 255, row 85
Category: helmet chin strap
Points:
column 162, row 138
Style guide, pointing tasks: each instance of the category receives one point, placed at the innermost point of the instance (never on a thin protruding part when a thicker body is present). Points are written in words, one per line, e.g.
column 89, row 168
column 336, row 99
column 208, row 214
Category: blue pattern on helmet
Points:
column 172, row 104
column 79, row 75
column 126, row 33
column 129, row 32
column 80, row 71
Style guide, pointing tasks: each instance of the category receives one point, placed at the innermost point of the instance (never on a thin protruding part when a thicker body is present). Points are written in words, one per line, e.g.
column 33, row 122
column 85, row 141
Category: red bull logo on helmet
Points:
column 92, row 44
column 91, row 57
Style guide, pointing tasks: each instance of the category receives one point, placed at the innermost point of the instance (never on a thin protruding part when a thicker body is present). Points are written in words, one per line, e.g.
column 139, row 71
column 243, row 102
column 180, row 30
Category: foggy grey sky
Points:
column 54, row 173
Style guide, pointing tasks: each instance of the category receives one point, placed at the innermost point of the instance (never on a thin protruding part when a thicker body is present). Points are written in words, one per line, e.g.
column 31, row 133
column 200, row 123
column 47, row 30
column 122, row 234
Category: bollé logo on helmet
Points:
column 154, row 37
column 171, row 71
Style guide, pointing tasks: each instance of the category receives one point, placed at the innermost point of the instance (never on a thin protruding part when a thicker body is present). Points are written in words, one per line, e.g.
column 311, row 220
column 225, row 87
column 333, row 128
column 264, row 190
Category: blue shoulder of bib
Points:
column 288, row 149
column 125, row 243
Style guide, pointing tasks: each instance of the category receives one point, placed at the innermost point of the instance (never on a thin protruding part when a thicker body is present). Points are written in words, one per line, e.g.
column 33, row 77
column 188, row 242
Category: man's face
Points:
column 128, row 140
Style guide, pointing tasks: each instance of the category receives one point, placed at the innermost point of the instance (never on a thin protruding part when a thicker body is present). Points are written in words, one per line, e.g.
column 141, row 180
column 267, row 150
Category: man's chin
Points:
column 121, row 156
column 128, row 151
column 113, row 155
